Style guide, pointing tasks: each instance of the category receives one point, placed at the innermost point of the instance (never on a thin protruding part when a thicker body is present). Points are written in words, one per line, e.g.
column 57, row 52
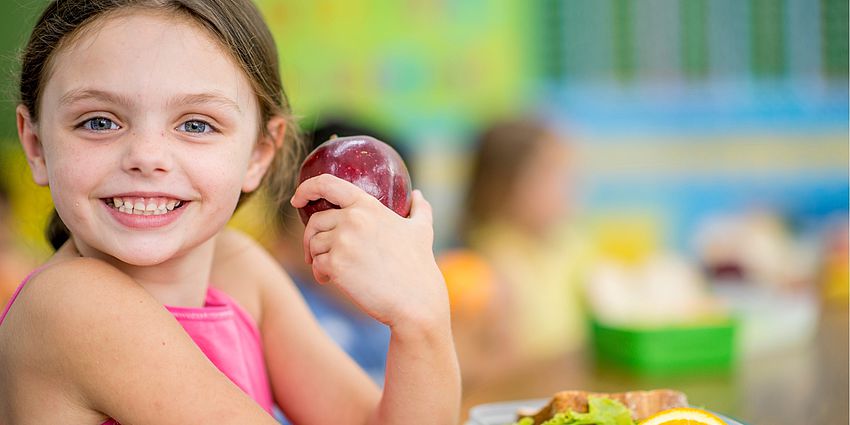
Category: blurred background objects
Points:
column 708, row 147
column 15, row 261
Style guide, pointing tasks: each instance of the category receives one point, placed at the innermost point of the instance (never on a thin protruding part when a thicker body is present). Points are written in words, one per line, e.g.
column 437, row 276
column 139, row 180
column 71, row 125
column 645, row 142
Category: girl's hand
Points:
column 382, row 261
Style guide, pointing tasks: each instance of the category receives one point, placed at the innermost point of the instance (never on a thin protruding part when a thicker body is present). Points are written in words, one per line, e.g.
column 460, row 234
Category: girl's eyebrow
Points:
column 109, row 97
column 84, row 93
column 202, row 98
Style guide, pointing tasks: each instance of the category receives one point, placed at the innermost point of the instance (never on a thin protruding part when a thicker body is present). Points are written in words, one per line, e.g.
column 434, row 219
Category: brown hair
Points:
column 236, row 24
column 503, row 151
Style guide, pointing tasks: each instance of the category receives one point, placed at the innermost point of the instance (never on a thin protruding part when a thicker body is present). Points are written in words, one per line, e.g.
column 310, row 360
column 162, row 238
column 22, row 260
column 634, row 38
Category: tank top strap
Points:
column 17, row 292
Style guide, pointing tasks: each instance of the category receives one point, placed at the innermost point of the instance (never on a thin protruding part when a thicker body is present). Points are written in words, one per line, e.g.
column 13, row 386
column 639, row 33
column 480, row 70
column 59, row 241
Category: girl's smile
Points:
column 143, row 206
column 141, row 211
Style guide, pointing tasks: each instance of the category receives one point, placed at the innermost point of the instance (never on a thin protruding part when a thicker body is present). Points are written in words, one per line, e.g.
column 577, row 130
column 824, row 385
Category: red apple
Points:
column 367, row 162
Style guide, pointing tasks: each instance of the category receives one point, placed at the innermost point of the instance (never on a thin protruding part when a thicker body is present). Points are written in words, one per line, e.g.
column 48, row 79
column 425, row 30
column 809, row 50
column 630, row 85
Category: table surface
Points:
column 804, row 385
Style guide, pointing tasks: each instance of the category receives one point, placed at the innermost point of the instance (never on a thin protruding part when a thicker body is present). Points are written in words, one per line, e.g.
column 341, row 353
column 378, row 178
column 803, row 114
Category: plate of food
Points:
column 655, row 407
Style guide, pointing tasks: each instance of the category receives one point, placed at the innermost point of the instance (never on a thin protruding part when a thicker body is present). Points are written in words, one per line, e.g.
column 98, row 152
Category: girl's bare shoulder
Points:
column 78, row 283
column 84, row 307
column 68, row 314
column 73, row 297
column 33, row 341
column 91, row 330
column 246, row 271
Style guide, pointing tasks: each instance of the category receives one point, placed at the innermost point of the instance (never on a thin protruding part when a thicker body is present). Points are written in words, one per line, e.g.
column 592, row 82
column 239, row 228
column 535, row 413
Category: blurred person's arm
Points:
column 481, row 318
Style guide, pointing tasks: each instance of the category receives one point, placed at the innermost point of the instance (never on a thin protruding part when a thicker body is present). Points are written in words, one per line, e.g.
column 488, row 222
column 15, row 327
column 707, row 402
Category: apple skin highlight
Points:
column 367, row 162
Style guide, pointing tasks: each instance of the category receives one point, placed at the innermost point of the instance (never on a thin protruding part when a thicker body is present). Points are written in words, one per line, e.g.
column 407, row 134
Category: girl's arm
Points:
column 120, row 352
column 313, row 379
column 385, row 264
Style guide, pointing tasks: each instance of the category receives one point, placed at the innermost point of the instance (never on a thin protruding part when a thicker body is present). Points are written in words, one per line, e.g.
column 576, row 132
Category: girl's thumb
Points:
column 420, row 209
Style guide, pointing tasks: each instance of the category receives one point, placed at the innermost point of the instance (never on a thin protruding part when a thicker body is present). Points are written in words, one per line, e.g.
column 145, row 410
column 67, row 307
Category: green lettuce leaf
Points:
column 600, row 411
column 603, row 411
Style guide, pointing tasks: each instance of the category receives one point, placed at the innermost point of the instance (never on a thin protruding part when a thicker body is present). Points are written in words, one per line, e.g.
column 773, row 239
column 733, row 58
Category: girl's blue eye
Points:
column 196, row 126
column 100, row 124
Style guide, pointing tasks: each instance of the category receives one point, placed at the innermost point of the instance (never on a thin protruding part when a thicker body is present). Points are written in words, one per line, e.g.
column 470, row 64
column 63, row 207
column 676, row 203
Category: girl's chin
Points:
column 143, row 262
column 136, row 261
column 141, row 257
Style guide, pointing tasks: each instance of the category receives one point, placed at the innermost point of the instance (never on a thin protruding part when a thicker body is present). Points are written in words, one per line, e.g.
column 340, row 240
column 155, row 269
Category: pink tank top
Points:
column 226, row 334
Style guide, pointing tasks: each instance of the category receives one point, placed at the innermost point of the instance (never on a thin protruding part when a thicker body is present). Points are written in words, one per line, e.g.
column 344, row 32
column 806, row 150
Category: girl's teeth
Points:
column 142, row 206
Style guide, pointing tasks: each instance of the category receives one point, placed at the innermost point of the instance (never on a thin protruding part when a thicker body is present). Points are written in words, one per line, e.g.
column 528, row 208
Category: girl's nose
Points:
column 147, row 153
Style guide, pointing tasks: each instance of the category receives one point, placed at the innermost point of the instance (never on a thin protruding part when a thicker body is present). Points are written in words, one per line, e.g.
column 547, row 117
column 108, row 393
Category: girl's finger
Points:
column 320, row 244
column 322, row 221
column 420, row 208
column 320, row 264
column 334, row 189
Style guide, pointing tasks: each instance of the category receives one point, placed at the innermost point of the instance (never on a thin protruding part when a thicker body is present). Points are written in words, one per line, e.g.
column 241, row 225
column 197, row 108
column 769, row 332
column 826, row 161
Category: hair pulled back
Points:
column 236, row 24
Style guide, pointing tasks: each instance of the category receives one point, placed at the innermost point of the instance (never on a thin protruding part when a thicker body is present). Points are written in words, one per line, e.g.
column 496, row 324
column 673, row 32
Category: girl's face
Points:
column 542, row 191
column 147, row 135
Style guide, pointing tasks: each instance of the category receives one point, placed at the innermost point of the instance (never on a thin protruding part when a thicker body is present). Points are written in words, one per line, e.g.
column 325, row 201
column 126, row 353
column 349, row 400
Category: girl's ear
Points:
column 32, row 145
column 264, row 152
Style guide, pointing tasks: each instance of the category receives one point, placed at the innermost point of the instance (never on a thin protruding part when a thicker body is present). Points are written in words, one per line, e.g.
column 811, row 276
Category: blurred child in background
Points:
column 516, row 219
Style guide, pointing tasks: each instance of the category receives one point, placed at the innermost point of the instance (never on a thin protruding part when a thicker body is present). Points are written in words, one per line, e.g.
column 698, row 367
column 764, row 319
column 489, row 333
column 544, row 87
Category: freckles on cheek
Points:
column 224, row 182
column 68, row 173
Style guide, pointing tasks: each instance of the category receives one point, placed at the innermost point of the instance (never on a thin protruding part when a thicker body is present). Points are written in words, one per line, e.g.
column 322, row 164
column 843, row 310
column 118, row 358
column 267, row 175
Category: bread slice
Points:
column 642, row 404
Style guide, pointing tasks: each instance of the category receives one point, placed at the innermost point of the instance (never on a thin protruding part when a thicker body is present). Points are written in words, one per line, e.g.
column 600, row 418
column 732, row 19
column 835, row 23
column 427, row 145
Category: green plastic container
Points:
column 666, row 349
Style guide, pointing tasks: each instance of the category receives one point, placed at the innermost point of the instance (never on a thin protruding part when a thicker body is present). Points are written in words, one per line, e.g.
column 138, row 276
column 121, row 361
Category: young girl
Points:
column 148, row 119
column 517, row 217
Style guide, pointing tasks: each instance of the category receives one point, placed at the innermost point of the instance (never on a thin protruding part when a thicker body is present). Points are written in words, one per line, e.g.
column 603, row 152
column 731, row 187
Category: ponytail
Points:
column 57, row 233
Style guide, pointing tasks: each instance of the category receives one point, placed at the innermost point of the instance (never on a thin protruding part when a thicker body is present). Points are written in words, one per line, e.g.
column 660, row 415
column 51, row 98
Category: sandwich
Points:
column 588, row 408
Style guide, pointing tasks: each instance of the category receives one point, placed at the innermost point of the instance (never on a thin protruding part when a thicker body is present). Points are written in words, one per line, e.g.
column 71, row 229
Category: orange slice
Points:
column 683, row 416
